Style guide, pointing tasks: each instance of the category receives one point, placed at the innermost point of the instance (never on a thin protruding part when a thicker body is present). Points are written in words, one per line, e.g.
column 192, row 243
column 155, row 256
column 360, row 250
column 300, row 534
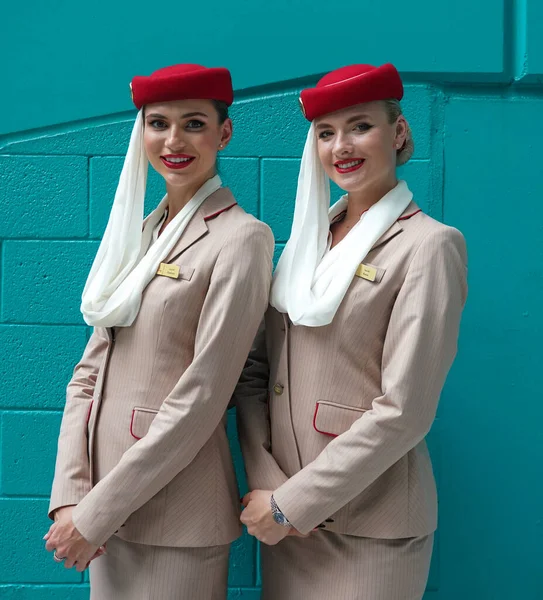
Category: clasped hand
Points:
column 68, row 545
column 257, row 516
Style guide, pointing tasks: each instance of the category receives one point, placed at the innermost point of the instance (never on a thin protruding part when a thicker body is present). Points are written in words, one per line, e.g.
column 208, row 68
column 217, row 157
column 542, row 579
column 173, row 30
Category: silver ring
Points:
column 57, row 558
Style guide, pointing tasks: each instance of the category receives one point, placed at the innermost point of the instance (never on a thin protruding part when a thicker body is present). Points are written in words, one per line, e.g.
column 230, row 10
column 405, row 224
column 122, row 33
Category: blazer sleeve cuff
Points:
column 298, row 507
column 94, row 526
column 67, row 496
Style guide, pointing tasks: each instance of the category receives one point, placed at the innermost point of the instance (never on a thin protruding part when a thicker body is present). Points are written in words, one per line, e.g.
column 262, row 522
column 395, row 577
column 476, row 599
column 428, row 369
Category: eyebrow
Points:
column 185, row 116
column 349, row 121
column 358, row 117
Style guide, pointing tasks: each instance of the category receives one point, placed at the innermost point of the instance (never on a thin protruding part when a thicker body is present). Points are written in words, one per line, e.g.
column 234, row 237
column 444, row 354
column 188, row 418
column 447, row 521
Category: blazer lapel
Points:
column 396, row 227
column 197, row 228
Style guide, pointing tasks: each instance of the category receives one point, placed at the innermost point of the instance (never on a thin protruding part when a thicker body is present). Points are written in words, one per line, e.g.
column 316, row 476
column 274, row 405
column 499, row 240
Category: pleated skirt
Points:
column 131, row 571
column 331, row 566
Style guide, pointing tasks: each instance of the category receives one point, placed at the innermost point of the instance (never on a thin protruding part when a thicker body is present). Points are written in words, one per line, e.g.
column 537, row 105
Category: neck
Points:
column 360, row 201
column 180, row 196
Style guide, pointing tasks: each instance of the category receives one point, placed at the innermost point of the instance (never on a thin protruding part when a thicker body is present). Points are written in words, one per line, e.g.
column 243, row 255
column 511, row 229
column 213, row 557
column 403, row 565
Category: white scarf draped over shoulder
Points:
column 310, row 283
column 126, row 261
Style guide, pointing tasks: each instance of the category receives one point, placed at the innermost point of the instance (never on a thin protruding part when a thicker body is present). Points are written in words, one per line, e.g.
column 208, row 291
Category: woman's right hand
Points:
column 65, row 512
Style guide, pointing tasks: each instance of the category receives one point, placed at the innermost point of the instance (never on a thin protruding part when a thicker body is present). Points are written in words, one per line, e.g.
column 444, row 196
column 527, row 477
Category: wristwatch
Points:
column 278, row 516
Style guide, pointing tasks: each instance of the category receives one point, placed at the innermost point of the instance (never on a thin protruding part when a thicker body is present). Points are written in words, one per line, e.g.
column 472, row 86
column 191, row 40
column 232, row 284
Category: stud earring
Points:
column 220, row 145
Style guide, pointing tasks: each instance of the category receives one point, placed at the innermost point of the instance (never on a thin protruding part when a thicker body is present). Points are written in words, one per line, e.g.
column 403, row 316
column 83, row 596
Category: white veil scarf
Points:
column 309, row 283
column 124, row 263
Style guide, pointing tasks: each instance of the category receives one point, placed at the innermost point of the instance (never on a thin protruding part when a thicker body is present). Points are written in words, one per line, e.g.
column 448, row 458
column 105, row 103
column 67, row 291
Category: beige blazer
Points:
column 143, row 447
column 350, row 403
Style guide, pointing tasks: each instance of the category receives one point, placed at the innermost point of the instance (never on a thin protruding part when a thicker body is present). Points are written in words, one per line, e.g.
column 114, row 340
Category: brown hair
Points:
column 222, row 110
column 394, row 110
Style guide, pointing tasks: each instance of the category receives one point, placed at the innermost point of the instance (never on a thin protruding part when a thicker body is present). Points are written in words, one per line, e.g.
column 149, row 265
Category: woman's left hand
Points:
column 257, row 516
column 68, row 544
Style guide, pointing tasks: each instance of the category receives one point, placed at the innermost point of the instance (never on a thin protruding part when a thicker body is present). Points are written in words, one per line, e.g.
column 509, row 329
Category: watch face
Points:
column 279, row 518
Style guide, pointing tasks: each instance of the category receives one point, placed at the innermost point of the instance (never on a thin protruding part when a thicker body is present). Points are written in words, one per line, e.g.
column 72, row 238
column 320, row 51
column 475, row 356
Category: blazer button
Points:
column 278, row 389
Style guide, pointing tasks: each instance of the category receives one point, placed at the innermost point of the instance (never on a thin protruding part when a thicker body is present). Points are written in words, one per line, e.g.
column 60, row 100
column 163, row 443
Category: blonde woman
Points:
column 361, row 332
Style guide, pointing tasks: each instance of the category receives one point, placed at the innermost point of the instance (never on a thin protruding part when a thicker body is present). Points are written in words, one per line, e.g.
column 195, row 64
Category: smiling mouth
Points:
column 347, row 166
column 180, row 161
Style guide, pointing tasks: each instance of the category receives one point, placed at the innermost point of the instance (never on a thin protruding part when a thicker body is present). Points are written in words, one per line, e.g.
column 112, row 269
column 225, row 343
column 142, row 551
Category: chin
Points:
column 180, row 178
column 181, row 182
column 350, row 184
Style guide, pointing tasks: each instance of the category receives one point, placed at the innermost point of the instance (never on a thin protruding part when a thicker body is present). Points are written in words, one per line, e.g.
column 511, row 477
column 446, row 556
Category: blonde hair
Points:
column 394, row 110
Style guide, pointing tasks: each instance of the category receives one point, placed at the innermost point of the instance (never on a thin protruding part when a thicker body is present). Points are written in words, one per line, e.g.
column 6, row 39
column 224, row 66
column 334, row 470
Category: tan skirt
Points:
column 329, row 565
column 132, row 571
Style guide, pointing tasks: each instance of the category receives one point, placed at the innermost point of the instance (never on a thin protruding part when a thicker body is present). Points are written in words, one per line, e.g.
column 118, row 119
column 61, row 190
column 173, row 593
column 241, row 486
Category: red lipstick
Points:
column 177, row 161
column 348, row 166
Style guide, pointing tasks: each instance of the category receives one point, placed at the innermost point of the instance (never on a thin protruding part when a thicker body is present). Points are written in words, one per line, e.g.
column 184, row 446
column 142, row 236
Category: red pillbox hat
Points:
column 351, row 85
column 183, row 82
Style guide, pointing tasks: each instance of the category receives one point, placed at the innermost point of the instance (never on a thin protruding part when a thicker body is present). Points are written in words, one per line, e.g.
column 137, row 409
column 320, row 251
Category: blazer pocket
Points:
column 141, row 421
column 334, row 419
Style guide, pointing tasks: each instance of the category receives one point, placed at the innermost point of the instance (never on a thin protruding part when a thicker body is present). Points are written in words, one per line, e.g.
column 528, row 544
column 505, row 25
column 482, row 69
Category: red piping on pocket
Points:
column 315, row 423
column 132, row 423
column 219, row 212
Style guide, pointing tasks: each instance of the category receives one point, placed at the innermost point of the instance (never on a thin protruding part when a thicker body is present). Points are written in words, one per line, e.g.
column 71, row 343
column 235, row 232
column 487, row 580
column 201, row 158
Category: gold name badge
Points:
column 366, row 272
column 168, row 271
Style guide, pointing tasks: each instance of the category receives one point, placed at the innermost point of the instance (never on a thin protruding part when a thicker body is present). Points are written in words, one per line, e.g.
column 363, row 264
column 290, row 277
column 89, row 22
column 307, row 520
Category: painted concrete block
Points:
column 44, row 592
column 43, row 281
column 242, row 176
column 27, row 561
column 36, row 363
column 29, row 445
column 43, row 196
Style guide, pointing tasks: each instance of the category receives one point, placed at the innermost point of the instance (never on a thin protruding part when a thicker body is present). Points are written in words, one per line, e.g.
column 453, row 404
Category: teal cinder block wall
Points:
column 474, row 99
